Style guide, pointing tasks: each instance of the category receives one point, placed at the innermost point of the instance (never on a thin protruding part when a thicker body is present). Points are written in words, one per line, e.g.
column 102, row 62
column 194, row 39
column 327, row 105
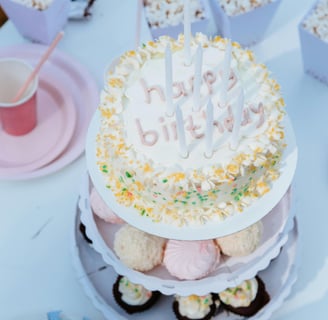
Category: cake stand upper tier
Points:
column 211, row 229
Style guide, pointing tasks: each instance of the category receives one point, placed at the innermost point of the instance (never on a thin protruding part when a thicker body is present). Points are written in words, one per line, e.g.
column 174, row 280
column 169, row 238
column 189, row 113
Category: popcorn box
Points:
column 246, row 28
column 174, row 30
column 37, row 25
column 314, row 51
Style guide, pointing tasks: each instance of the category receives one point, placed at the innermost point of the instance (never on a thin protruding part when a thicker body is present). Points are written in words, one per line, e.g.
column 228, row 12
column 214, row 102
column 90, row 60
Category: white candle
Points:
column 237, row 120
column 209, row 130
column 197, row 77
column 187, row 31
column 181, row 132
column 226, row 73
column 168, row 82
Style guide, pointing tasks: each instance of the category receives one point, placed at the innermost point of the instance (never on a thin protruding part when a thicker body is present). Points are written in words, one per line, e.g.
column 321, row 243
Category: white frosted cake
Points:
column 139, row 141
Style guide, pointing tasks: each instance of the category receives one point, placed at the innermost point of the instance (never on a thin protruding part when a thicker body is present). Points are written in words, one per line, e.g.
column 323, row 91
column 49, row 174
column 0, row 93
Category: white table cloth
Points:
column 36, row 216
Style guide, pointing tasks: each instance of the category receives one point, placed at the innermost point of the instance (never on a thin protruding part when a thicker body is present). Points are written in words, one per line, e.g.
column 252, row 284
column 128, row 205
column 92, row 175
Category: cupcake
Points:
column 190, row 260
column 137, row 249
column 194, row 307
column 100, row 208
column 133, row 297
column 245, row 299
column 241, row 243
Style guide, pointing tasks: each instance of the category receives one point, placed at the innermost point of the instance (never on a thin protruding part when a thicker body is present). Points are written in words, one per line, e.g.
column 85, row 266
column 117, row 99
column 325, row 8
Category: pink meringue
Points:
column 190, row 260
column 100, row 208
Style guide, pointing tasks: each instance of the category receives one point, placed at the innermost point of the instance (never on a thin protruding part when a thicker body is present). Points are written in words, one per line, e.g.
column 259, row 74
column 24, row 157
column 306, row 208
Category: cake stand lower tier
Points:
column 231, row 270
column 97, row 279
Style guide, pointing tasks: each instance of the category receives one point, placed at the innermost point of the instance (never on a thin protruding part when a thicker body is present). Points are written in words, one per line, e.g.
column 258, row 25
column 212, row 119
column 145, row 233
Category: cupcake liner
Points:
column 209, row 316
column 28, row 20
column 130, row 308
column 261, row 299
column 247, row 28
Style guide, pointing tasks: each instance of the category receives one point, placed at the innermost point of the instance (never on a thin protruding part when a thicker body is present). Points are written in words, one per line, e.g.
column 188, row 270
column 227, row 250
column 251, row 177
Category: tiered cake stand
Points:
column 274, row 260
column 97, row 278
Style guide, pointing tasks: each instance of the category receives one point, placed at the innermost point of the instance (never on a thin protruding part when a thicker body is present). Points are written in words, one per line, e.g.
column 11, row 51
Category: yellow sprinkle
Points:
column 250, row 55
column 258, row 150
column 275, row 85
column 151, row 44
column 131, row 53
column 236, row 45
column 111, row 98
column 281, row 102
column 217, row 39
column 232, row 168
column 98, row 152
column 219, row 172
column 147, row 168
column 177, row 176
column 139, row 185
column 106, row 113
column 115, row 83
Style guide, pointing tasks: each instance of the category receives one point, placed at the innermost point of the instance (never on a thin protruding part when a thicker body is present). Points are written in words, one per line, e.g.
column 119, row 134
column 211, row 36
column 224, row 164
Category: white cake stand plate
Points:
column 276, row 226
column 97, row 279
column 213, row 229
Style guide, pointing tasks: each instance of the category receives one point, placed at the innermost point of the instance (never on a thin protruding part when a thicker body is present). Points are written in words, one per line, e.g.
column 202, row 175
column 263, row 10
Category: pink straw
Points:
column 43, row 59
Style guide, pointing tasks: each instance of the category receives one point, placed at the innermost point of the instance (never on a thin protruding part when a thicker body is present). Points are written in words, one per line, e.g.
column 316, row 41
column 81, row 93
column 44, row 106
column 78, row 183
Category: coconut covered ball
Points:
column 241, row 243
column 137, row 249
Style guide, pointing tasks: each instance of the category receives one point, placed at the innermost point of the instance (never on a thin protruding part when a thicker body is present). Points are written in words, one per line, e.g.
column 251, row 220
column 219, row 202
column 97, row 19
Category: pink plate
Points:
column 56, row 123
column 75, row 82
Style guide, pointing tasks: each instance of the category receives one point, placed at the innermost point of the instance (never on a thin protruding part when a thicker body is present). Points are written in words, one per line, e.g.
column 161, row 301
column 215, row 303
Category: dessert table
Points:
column 38, row 213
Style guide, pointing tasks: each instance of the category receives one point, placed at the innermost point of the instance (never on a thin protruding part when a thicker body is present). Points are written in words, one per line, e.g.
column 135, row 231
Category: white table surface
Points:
column 36, row 216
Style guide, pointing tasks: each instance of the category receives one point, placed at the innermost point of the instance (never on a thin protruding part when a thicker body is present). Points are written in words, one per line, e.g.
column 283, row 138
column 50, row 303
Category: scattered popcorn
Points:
column 317, row 21
column 164, row 13
column 36, row 4
column 235, row 7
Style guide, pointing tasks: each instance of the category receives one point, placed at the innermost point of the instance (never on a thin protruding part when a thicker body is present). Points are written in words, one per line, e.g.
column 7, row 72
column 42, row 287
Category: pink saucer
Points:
column 56, row 123
column 76, row 82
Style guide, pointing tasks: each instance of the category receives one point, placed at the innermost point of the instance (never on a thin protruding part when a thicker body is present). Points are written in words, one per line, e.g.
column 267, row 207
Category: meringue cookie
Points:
column 190, row 260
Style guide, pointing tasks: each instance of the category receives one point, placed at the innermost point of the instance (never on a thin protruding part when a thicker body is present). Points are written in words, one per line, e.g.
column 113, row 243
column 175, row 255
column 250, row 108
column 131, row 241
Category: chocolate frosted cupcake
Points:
column 194, row 307
column 246, row 299
column 133, row 297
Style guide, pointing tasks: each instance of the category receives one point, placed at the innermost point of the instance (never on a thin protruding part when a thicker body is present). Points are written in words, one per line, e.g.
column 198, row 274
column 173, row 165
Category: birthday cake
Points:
column 198, row 147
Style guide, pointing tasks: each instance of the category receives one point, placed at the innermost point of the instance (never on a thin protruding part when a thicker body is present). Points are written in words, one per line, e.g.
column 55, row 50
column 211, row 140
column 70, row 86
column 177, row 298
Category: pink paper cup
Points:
column 20, row 117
